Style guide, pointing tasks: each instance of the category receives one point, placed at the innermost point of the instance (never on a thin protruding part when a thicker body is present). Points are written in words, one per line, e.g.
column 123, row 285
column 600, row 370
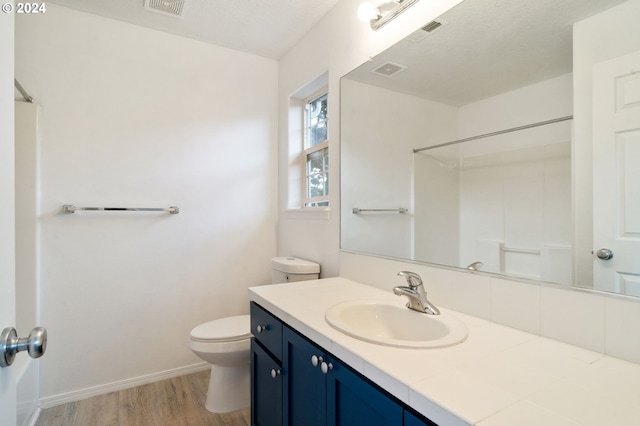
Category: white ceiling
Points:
column 488, row 47
column 267, row 28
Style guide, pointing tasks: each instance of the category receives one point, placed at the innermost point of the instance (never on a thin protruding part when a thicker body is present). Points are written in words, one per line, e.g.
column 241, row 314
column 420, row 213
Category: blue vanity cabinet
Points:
column 267, row 329
column 411, row 419
column 352, row 400
column 321, row 391
column 304, row 384
column 300, row 384
column 266, row 368
column 266, row 388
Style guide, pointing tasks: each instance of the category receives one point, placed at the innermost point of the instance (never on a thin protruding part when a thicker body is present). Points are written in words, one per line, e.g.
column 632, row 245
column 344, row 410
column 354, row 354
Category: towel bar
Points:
column 68, row 208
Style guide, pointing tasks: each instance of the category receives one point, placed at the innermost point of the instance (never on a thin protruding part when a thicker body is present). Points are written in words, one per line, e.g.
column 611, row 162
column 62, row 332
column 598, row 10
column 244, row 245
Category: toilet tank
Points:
column 289, row 269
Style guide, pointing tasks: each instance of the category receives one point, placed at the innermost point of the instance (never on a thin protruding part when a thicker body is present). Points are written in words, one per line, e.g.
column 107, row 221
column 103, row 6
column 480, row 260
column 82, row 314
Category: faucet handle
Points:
column 412, row 278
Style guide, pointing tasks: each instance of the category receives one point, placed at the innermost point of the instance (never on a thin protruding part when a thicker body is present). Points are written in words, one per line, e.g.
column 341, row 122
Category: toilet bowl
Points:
column 225, row 344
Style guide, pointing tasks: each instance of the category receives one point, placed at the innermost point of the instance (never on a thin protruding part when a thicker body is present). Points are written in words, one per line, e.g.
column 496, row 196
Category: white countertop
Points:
column 497, row 376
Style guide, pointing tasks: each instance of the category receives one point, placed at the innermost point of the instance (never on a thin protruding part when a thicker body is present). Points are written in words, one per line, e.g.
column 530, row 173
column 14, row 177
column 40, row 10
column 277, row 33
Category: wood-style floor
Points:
column 173, row 402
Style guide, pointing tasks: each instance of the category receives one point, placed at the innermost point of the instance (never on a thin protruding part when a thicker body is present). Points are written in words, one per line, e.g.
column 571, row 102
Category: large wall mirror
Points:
column 457, row 148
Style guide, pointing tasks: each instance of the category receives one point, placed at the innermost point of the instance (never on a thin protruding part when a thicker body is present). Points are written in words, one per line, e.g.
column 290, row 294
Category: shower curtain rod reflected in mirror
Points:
column 23, row 92
column 499, row 132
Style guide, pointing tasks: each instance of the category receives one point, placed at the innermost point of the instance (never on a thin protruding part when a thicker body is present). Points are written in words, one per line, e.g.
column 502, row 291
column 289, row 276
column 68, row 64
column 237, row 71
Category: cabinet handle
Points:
column 315, row 360
column 325, row 368
column 261, row 328
column 275, row 373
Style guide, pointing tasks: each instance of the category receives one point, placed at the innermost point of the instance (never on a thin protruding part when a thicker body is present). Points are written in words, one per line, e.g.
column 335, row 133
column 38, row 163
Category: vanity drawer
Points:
column 267, row 330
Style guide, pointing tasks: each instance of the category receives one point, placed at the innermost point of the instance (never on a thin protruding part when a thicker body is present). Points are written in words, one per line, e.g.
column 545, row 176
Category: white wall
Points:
column 134, row 117
column 378, row 171
column 437, row 206
column 26, row 228
column 26, row 187
column 339, row 43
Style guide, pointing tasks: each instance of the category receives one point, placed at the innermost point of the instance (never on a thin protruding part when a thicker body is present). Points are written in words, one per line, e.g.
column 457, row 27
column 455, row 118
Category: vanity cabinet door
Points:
column 411, row 419
column 266, row 388
column 267, row 329
column 305, row 395
column 352, row 400
column 320, row 390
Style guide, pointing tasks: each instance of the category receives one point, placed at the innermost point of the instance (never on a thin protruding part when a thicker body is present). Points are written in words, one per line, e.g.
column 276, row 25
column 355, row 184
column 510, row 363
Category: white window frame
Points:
column 312, row 202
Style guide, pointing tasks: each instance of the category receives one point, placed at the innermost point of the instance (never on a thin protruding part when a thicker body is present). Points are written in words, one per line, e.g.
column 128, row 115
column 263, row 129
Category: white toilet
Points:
column 225, row 343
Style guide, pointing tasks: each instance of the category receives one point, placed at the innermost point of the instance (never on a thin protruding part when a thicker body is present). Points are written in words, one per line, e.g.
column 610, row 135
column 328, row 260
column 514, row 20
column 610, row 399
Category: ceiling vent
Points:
column 428, row 29
column 173, row 8
column 388, row 69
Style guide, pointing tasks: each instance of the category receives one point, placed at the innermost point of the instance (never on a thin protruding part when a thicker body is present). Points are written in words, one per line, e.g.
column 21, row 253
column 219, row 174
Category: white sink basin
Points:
column 385, row 323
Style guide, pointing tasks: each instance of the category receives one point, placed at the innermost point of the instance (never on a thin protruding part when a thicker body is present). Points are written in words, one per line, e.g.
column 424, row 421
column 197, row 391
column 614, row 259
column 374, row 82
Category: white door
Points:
column 616, row 174
column 7, row 261
column 7, row 208
column 7, row 297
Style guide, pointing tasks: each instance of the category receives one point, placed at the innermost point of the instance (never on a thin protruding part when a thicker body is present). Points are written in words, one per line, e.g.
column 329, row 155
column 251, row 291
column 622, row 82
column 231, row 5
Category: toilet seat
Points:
column 229, row 329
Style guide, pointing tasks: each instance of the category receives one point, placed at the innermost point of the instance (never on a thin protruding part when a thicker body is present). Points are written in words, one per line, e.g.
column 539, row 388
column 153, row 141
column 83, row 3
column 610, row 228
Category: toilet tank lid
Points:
column 294, row 265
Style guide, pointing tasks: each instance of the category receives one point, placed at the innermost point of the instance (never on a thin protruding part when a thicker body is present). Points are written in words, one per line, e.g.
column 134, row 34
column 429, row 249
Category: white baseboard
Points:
column 34, row 417
column 63, row 398
column 27, row 413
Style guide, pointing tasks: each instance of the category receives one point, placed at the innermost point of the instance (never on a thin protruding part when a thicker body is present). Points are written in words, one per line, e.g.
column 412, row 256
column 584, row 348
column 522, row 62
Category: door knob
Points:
column 10, row 344
column 604, row 254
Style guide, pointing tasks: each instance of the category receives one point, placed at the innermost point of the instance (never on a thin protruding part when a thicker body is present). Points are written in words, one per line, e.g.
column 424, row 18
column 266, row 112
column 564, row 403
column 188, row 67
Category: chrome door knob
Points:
column 275, row 373
column 10, row 344
column 604, row 254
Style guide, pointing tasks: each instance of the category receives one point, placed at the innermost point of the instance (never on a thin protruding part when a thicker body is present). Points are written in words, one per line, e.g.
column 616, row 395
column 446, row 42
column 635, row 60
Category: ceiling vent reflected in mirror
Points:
column 388, row 69
column 173, row 8
column 426, row 30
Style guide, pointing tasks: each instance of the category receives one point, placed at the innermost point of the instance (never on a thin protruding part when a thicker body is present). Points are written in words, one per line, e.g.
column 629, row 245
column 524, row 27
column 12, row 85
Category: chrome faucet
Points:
column 475, row 266
column 416, row 294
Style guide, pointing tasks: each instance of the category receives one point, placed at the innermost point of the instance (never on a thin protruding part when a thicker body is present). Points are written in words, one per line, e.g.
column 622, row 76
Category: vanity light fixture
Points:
column 383, row 13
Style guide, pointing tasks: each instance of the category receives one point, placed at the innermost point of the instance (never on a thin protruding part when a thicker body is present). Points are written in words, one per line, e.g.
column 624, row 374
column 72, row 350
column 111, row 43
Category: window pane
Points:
column 317, row 185
column 316, row 112
column 316, row 151
column 317, row 173
column 314, row 162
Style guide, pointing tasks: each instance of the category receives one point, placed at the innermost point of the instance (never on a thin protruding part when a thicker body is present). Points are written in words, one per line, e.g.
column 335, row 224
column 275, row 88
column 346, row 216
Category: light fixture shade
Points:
column 368, row 12
column 382, row 14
